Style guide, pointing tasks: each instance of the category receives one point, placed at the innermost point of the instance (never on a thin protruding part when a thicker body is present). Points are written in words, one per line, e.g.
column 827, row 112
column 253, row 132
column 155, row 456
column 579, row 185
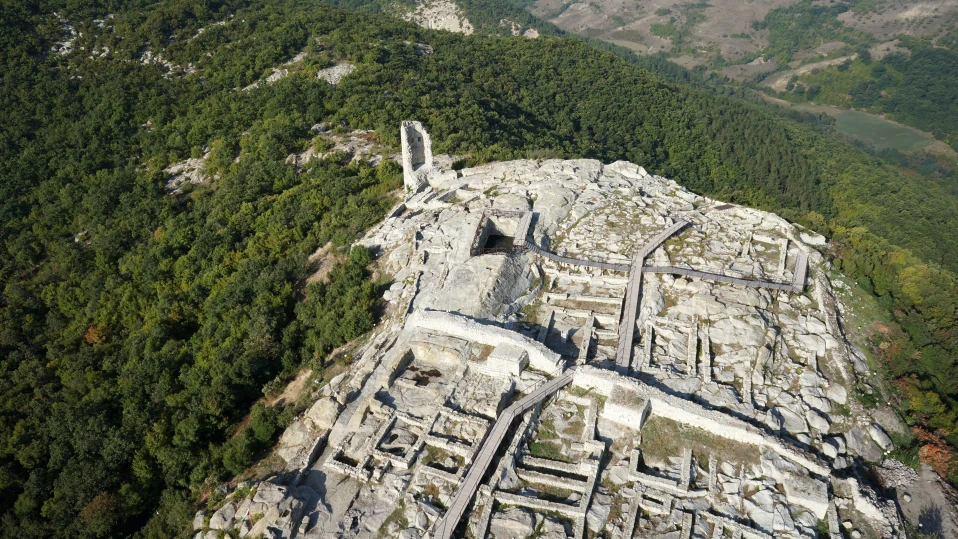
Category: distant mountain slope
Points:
column 138, row 327
column 765, row 44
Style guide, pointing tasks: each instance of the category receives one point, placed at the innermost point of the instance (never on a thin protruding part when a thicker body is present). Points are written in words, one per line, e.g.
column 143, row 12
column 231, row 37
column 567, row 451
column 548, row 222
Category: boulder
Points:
column 791, row 421
column 513, row 523
column 829, row 450
column 294, row 438
column 815, row 240
column 509, row 479
column 243, row 508
column 199, row 520
column 760, row 508
column 269, row 493
column 223, row 518
column 837, row 393
column 783, row 519
column 323, row 414
column 553, row 529
column 619, row 474
column 838, row 441
column 817, row 421
column 860, row 444
column 598, row 512
column 881, row 438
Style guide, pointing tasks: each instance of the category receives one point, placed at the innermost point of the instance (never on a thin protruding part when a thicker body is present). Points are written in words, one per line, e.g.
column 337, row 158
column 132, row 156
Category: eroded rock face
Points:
column 440, row 15
column 323, row 413
column 733, row 406
column 223, row 518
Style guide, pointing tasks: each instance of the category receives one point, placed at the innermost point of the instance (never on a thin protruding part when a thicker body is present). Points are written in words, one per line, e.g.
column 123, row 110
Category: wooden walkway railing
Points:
column 623, row 352
column 576, row 261
column 483, row 458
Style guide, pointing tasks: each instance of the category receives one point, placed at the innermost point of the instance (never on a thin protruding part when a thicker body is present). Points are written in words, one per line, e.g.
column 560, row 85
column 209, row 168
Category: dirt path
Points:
column 779, row 80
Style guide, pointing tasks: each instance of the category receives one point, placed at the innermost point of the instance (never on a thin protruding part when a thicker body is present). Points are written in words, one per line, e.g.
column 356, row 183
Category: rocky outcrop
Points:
column 440, row 15
column 734, row 416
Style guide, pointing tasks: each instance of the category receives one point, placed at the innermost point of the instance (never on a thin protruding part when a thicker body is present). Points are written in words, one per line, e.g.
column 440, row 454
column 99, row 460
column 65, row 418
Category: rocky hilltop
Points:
column 573, row 349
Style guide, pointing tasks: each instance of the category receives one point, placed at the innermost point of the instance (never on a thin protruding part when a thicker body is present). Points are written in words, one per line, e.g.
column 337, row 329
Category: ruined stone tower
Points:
column 416, row 154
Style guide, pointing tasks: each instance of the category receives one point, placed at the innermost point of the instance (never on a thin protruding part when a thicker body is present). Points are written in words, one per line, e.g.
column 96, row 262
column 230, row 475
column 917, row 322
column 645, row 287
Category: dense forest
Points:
column 139, row 327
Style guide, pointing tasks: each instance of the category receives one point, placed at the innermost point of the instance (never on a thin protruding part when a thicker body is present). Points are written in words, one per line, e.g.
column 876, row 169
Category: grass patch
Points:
column 662, row 438
column 547, row 450
column 434, row 454
column 548, row 492
column 398, row 517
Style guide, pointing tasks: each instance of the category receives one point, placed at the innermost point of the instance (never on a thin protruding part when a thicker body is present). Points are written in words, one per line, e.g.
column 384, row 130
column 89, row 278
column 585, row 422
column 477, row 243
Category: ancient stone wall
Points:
column 540, row 357
column 416, row 154
column 689, row 413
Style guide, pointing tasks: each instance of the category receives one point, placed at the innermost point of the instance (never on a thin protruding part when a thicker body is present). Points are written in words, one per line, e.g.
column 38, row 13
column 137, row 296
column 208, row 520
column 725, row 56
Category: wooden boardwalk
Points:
column 623, row 353
column 522, row 231
column 483, row 457
column 576, row 261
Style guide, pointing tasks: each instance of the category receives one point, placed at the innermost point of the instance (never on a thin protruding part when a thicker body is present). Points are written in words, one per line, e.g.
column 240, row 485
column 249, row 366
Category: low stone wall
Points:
column 551, row 480
column 626, row 408
column 556, row 465
column 539, row 504
column 540, row 357
column 690, row 413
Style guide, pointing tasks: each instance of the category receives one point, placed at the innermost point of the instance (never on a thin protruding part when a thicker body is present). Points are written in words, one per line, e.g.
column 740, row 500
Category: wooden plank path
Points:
column 623, row 353
column 522, row 232
column 483, row 458
column 797, row 284
column 576, row 261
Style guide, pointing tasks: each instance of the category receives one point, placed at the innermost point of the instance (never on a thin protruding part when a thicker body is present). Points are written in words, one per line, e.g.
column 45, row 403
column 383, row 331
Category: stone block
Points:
column 807, row 492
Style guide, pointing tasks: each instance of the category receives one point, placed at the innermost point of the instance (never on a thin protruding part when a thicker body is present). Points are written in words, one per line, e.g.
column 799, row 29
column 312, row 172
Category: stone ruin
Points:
column 491, row 400
column 416, row 155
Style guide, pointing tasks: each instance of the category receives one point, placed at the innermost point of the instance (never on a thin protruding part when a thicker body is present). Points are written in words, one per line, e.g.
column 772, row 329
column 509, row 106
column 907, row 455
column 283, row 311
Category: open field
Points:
column 872, row 129
column 880, row 132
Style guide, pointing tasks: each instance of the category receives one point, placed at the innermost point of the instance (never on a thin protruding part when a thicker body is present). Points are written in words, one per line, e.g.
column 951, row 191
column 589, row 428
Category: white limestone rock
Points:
column 199, row 520
column 881, row 438
column 861, row 444
column 553, row 529
column 269, row 493
column 334, row 74
column 222, row 519
column 323, row 414
column 619, row 474
column 807, row 492
column 761, row 509
column 783, row 519
column 837, row 393
column 513, row 523
column 790, row 420
column 598, row 512
column 817, row 421
column 829, row 450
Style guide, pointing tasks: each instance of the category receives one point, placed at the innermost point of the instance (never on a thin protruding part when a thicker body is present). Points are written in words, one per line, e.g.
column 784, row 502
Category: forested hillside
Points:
column 138, row 327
